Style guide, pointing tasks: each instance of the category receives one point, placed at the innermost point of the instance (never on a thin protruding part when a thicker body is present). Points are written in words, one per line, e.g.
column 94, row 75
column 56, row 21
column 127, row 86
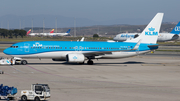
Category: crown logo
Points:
column 74, row 57
column 151, row 29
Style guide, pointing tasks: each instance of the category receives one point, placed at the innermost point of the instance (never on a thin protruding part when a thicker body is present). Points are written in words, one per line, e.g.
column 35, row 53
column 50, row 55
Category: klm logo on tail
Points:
column 151, row 32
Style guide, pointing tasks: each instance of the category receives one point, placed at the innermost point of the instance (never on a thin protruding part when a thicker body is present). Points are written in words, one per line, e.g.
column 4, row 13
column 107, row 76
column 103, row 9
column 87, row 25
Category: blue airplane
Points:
column 79, row 52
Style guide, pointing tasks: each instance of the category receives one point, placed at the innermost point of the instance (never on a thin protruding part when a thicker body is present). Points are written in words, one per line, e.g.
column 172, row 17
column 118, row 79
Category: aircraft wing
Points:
column 97, row 53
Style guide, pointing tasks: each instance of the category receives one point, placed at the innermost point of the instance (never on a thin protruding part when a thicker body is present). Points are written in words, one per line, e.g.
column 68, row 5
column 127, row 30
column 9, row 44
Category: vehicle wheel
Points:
column 10, row 98
column 36, row 99
column 23, row 98
column 23, row 62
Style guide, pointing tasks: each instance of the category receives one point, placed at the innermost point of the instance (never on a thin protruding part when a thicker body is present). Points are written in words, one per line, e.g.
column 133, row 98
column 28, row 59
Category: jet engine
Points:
column 175, row 37
column 75, row 58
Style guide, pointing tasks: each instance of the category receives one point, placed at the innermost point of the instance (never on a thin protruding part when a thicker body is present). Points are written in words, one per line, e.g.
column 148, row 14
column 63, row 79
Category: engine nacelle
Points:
column 75, row 58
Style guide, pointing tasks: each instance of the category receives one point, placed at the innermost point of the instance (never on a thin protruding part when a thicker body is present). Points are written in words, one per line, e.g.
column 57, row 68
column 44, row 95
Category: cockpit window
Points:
column 14, row 46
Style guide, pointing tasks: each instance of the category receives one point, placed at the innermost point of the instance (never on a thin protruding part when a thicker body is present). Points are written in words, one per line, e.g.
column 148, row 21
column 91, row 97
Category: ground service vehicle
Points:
column 7, row 92
column 38, row 92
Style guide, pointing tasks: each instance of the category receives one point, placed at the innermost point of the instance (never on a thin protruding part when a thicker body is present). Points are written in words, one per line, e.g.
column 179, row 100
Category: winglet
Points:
column 176, row 29
column 82, row 39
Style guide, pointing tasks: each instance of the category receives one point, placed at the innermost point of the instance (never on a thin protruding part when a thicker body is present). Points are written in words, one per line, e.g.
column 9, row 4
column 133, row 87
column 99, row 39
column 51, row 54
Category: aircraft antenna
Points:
column 43, row 25
column 74, row 27
column 8, row 24
column 56, row 24
column 32, row 25
column 20, row 23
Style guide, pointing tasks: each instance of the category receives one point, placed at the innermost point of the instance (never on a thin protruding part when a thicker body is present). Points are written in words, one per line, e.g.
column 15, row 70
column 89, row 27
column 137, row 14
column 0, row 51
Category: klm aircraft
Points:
column 173, row 35
column 80, row 51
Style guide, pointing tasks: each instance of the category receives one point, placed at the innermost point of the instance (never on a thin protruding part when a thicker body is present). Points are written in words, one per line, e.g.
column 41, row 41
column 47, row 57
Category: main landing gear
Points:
column 90, row 62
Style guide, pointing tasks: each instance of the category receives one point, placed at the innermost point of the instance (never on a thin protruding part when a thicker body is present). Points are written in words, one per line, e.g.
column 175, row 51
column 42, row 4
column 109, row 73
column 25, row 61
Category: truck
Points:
column 38, row 92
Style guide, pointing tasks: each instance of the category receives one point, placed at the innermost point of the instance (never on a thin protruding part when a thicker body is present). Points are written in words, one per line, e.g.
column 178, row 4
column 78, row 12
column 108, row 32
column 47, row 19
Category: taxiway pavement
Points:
column 140, row 78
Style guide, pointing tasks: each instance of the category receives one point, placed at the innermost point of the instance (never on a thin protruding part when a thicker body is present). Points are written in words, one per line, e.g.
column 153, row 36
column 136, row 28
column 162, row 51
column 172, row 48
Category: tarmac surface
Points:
column 151, row 77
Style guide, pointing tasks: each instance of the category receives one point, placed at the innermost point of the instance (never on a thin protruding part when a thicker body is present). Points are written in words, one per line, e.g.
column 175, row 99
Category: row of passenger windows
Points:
column 76, row 48
column 14, row 46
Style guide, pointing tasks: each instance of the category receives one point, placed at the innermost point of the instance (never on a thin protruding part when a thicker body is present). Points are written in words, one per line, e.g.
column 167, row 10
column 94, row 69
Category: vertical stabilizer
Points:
column 52, row 31
column 68, row 31
column 28, row 32
column 176, row 29
column 151, row 32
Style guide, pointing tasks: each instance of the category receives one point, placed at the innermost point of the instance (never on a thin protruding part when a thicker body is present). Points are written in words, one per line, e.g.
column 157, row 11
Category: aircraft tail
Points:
column 68, row 31
column 176, row 29
column 52, row 31
column 28, row 32
column 150, row 33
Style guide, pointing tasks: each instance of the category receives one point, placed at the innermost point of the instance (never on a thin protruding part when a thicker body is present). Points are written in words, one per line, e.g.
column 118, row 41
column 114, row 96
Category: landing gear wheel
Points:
column 23, row 98
column 90, row 62
column 36, row 99
column 23, row 62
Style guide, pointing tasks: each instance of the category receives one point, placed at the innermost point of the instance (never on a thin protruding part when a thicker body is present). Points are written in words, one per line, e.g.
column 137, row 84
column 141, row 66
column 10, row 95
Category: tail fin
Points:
column 82, row 39
column 150, row 33
column 68, row 31
column 28, row 32
column 52, row 31
column 176, row 29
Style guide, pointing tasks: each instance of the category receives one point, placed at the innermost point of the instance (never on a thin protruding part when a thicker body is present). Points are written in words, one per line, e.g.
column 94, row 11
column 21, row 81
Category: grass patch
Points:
column 169, row 50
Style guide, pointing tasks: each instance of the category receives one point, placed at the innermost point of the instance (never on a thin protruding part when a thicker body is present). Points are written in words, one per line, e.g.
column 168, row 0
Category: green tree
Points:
column 4, row 32
column 16, row 32
column 22, row 33
column 10, row 33
column 95, row 36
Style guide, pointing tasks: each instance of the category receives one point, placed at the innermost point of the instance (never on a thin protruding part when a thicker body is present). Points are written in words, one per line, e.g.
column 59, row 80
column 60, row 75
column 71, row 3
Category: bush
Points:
column 95, row 36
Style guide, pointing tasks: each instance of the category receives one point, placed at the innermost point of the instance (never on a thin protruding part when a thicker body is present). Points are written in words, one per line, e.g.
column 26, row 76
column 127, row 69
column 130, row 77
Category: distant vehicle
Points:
column 38, row 92
column 173, row 35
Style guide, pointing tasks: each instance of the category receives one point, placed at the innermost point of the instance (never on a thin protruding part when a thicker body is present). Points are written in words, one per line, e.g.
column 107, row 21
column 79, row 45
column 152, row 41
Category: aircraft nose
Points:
column 115, row 38
column 6, row 51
